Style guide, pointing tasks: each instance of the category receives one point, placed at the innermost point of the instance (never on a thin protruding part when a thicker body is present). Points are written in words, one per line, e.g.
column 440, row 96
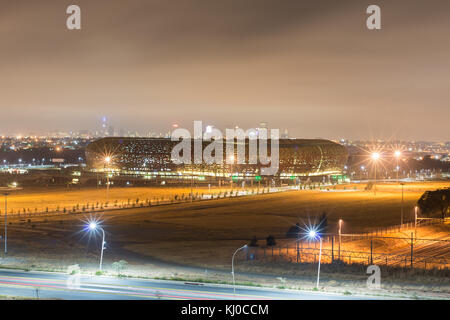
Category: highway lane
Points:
column 55, row 286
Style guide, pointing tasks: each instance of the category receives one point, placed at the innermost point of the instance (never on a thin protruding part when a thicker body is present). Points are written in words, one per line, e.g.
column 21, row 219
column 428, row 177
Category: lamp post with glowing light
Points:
column 415, row 218
column 7, row 191
column 401, row 209
column 231, row 161
column 107, row 162
column 313, row 235
column 397, row 156
column 232, row 267
column 92, row 227
column 375, row 158
column 340, row 232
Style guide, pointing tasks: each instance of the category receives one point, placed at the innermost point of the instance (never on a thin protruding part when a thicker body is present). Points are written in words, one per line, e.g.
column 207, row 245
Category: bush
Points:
column 119, row 266
column 253, row 242
column 270, row 241
column 293, row 231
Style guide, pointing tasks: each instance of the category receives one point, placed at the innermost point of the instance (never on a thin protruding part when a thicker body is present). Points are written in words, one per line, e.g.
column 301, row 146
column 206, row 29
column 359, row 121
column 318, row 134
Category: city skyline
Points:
column 310, row 67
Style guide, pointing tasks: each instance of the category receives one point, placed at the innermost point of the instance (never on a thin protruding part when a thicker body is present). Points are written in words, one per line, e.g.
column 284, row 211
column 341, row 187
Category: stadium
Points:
column 150, row 158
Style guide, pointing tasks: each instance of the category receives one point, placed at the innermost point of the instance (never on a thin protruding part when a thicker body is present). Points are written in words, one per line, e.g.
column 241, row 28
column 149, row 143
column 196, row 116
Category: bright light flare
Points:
column 398, row 154
column 107, row 159
column 312, row 234
column 375, row 156
column 92, row 226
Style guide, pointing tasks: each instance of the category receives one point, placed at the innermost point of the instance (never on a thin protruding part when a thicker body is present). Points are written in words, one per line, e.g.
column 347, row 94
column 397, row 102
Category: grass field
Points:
column 202, row 233
column 42, row 199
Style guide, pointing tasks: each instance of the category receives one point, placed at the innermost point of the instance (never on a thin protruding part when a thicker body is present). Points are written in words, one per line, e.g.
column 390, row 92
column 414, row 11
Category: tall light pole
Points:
column 313, row 235
column 232, row 267
column 415, row 219
column 6, row 221
column 6, row 192
column 192, row 182
column 107, row 162
column 231, row 158
column 397, row 156
column 375, row 158
column 340, row 232
column 401, row 209
column 94, row 226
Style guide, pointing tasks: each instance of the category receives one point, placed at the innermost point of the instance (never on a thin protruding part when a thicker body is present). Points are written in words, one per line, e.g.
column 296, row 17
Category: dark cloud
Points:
column 310, row 66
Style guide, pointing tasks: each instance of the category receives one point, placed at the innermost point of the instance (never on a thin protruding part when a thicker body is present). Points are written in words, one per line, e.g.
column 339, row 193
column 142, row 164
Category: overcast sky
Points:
column 310, row 66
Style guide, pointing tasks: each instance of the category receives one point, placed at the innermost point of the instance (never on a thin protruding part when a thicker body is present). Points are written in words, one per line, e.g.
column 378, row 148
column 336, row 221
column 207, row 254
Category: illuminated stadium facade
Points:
column 150, row 158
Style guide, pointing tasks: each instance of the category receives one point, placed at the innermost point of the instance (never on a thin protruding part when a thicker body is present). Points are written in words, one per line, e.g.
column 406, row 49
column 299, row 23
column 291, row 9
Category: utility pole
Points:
column 401, row 210
column 6, row 192
column 371, row 251
column 6, row 221
column 412, row 245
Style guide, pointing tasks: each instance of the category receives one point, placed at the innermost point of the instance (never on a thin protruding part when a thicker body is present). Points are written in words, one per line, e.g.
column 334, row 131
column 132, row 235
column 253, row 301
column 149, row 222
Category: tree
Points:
column 119, row 266
column 293, row 231
column 253, row 242
column 436, row 201
column 270, row 241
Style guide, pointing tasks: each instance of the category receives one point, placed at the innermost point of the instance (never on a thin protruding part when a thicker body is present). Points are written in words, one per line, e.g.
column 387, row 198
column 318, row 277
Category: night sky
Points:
column 309, row 66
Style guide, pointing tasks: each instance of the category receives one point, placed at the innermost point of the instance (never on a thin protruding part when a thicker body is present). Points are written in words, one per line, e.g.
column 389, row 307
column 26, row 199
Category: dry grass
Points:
column 42, row 199
column 205, row 233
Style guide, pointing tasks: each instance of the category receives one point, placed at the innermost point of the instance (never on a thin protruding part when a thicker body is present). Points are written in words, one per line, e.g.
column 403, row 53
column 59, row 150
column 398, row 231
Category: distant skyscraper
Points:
column 110, row 132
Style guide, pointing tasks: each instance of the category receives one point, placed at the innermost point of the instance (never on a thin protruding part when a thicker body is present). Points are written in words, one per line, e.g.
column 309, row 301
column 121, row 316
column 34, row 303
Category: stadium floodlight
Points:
column 94, row 226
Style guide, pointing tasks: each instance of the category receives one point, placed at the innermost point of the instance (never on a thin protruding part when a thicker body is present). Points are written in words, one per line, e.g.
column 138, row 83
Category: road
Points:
column 55, row 286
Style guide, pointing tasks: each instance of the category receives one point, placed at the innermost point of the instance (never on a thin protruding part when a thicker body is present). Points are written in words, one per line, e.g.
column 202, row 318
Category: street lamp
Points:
column 107, row 162
column 397, row 156
column 232, row 267
column 231, row 161
column 313, row 235
column 401, row 209
column 6, row 191
column 340, row 229
column 93, row 226
column 375, row 158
